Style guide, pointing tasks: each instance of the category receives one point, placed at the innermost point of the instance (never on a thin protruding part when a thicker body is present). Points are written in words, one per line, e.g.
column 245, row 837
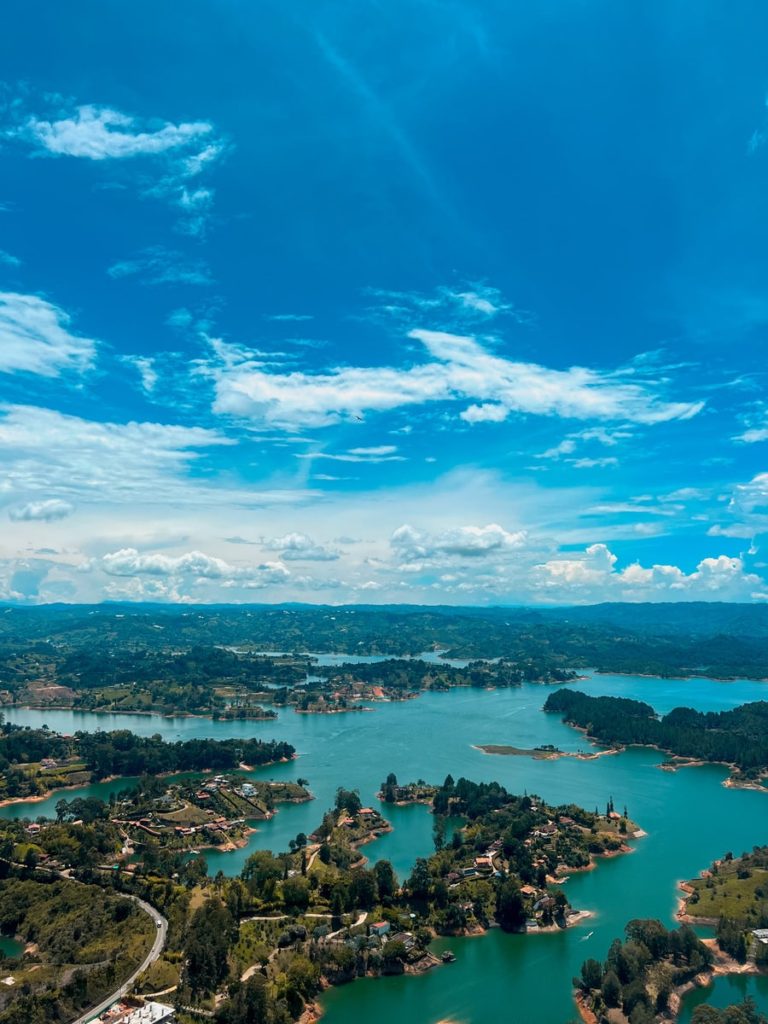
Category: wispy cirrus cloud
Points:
column 158, row 265
column 8, row 260
column 35, row 337
column 182, row 151
column 145, row 367
column 375, row 454
column 288, row 317
column 44, row 450
column 457, row 368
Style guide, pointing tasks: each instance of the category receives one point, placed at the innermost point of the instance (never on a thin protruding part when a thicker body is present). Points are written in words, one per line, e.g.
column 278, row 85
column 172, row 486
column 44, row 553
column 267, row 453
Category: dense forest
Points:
column 87, row 941
column 741, row 1013
column 121, row 752
column 738, row 736
column 267, row 943
column 669, row 640
column 639, row 974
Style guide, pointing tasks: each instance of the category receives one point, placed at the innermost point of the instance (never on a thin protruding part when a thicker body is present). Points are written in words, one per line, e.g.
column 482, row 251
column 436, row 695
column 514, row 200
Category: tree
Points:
column 706, row 1015
column 248, row 1005
column 611, row 989
column 510, row 908
column 419, row 883
column 386, row 879
column 591, row 974
column 261, row 873
column 438, row 832
column 395, row 951
column 211, row 931
column 337, row 909
column 363, row 888
column 348, row 800
column 303, row 980
column 296, row 894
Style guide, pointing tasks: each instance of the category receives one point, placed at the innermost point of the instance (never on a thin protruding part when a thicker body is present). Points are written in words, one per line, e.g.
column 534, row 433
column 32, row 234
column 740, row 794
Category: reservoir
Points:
column 690, row 818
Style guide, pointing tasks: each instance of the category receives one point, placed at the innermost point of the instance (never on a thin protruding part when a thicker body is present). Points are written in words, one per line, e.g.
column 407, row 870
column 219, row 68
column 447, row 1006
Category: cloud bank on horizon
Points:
column 415, row 314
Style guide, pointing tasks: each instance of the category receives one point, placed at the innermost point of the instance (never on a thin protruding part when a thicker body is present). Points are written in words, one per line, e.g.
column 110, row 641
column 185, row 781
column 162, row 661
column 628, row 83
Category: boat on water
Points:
column 448, row 957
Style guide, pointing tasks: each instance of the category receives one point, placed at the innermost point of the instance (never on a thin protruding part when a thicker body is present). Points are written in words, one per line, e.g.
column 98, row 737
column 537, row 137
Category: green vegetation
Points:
column 640, row 974
column 734, row 894
column 85, row 941
column 738, row 737
column 743, row 1013
column 33, row 761
column 185, row 659
column 319, row 913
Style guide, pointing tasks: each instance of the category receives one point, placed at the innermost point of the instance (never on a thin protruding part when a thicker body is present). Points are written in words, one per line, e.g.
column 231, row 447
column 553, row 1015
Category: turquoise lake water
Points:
column 690, row 817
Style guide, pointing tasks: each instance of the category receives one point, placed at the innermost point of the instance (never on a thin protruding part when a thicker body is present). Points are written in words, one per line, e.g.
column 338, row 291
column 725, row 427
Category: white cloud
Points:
column 289, row 317
column 753, row 435
column 457, row 368
column 101, row 134
column 376, row 454
column 486, row 413
column 741, row 531
column 411, row 544
column 7, row 260
column 600, row 435
column 602, row 463
column 43, row 450
column 450, row 306
column 298, row 547
column 593, row 576
column 46, row 511
column 146, row 370
column 130, row 562
column 35, row 338
column 159, row 265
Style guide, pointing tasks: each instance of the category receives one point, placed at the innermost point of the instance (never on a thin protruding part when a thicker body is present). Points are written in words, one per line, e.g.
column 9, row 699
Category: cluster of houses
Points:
column 383, row 930
column 482, row 866
column 127, row 1013
column 412, row 793
column 344, row 697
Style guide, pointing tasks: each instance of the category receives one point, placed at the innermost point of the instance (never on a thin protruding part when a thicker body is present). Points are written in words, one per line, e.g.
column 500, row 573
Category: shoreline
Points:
column 139, row 711
column 41, row 797
column 501, row 750
column 729, row 783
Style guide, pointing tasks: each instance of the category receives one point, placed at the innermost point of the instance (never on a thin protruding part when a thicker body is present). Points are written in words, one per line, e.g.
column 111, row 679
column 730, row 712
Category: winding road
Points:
column 161, row 928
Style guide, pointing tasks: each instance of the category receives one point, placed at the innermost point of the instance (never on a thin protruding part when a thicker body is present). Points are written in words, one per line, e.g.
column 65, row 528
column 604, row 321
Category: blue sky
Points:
column 417, row 301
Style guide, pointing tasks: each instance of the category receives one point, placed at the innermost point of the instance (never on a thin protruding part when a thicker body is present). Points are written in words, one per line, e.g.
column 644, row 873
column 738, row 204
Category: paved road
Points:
column 161, row 929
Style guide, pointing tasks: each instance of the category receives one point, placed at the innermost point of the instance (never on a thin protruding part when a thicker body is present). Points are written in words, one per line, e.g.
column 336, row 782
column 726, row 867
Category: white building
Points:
column 149, row 1013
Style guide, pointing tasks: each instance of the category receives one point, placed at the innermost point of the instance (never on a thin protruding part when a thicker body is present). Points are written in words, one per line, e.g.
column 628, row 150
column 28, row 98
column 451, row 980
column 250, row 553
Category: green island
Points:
column 738, row 737
column 229, row 684
column 221, row 661
column 261, row 946
column 732, row 895
column 649, row 973
column 34, row 762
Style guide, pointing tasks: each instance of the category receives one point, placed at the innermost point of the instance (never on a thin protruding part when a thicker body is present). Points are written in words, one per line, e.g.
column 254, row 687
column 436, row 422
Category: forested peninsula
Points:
column 738, row 737
column 262, row 946
column 35, row 761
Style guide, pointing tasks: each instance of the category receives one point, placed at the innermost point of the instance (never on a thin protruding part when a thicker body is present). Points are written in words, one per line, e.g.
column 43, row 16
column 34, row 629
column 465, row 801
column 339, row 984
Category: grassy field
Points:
column 735, row 888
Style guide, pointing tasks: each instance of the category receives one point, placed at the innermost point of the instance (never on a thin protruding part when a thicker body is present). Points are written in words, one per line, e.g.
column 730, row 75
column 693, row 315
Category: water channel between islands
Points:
column 690, row 818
